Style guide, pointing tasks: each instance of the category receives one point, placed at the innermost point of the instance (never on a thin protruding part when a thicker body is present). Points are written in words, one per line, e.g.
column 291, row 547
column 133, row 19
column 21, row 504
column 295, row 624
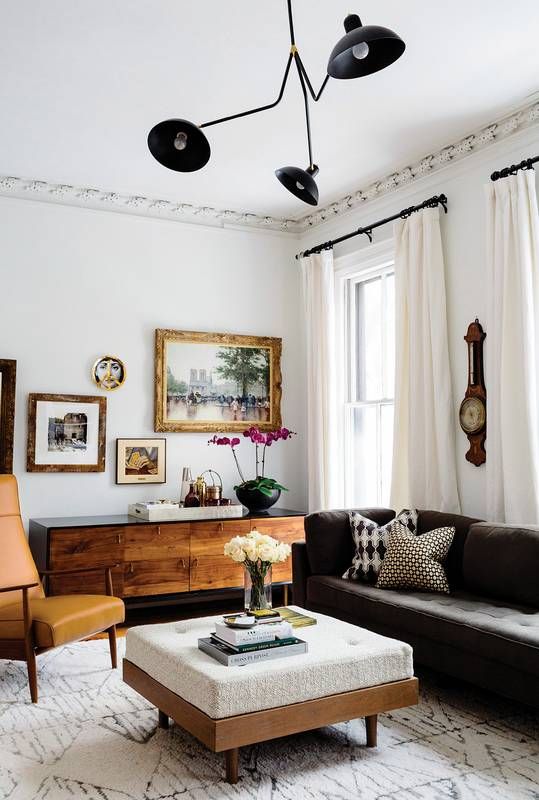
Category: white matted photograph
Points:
column 66, row 433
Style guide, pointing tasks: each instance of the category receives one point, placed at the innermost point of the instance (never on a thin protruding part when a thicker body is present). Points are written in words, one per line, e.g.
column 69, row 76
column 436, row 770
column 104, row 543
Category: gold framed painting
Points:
column 141, row 461
column 211, row 382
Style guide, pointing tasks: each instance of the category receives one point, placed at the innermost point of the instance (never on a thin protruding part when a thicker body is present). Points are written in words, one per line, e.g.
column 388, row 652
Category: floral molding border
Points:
column 494, row 132
column 66, row 194
column 207, row 215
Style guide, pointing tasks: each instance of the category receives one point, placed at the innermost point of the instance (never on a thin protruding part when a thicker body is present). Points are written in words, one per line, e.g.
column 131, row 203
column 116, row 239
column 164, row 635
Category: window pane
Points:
column 363, row 449
column 389, row 325
column 386, row 452
column 369, row 339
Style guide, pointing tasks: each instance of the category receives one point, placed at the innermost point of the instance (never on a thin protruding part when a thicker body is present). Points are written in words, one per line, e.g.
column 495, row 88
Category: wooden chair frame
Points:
column 25, row 649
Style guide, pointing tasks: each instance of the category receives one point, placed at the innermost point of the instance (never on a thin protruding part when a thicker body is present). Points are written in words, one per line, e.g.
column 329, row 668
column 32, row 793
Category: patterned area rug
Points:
column 92, row 737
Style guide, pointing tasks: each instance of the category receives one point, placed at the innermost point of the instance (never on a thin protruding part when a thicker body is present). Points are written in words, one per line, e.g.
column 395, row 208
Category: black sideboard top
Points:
column 124, row 519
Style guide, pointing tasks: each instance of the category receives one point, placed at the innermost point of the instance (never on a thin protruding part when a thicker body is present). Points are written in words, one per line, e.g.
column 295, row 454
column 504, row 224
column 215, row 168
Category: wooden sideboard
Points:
column 154, row 559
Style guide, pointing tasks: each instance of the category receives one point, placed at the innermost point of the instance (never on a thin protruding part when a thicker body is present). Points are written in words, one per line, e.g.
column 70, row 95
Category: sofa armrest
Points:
column 300, row 573
column 330, row 546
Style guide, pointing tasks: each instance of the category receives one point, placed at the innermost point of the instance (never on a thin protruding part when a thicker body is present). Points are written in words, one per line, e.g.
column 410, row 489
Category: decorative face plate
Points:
column 472, row 415
column 109, row 373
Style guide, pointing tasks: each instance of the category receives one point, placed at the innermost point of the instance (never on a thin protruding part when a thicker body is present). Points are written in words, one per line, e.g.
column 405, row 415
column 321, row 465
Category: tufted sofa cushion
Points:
column 430, row 520
column 502, row 561
column 482, row 626
column 329, row 541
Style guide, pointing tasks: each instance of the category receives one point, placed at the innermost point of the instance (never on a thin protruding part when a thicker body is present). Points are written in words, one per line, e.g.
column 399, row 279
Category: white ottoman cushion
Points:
column 341, row 658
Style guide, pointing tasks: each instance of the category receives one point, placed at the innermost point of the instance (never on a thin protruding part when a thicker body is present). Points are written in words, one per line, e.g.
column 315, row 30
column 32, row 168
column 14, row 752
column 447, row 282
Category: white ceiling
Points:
column 83, row 82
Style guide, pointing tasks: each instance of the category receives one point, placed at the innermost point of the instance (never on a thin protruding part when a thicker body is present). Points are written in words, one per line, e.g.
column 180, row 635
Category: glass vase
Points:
column 257, row 584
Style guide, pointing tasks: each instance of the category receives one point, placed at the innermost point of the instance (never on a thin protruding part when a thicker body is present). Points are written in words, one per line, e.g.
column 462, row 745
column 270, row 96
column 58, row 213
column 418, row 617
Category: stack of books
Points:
column 264, row 641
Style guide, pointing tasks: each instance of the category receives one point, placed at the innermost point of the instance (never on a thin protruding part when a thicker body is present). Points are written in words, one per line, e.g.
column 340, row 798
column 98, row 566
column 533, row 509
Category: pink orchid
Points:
column 257, row 438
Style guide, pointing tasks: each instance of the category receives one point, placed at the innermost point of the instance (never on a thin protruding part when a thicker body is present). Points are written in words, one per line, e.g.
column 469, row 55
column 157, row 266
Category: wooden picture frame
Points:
column 66, row 433
column 136, row 460
column 8, row 379
column 211, row 382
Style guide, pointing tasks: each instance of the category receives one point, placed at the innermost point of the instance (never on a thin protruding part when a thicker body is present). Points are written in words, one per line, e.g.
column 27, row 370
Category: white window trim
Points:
column 371, row 260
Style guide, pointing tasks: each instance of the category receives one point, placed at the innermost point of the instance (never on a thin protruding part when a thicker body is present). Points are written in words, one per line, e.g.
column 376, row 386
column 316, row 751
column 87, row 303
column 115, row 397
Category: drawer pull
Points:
column 118, row 538
column 221, row 527
column 194, row 562
column 159, row 530
column 183, row 562
column 131, row 570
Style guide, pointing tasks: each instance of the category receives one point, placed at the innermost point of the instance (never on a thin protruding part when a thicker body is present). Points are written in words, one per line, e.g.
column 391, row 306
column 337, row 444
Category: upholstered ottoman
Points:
column 348, row 672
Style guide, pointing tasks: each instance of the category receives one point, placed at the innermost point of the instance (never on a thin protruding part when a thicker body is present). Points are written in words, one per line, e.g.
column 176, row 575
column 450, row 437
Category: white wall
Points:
column 76, row 284
column 464, row 244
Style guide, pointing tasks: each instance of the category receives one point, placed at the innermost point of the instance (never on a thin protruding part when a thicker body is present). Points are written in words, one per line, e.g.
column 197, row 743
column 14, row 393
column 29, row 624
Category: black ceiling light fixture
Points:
column 363, row 50
column 182, row 146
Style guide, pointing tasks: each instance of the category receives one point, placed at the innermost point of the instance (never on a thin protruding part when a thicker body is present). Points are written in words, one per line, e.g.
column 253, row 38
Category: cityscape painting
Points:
column 216, row 382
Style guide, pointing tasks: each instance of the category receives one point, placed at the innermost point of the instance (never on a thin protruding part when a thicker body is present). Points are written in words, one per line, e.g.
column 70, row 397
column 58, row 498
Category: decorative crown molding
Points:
column 207, row 215
column 85, row 197
column 496, row 131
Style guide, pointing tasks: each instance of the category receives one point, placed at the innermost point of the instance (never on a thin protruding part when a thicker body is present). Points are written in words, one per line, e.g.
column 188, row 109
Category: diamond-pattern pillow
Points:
column 370, row 541
column 415, row 562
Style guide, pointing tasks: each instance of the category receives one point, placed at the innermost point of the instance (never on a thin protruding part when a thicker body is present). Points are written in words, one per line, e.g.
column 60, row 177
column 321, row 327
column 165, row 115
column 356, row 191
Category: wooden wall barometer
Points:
column 473, row 409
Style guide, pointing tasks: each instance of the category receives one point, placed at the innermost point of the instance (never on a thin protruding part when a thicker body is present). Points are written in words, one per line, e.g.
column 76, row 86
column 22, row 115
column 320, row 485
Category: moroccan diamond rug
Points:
column 92, row 737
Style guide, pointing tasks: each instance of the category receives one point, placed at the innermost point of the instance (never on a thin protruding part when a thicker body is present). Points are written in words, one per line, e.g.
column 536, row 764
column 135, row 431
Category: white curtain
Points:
column 319, row 304
column 424, row 465
column 512, row 347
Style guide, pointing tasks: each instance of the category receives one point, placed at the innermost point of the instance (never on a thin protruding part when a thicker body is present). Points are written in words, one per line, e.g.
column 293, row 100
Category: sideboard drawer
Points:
column 215, row 571
column 211, row 537
column 210, row 568
column 148, row 542
column 163, row 576
column 87, row 583
column 85, row 547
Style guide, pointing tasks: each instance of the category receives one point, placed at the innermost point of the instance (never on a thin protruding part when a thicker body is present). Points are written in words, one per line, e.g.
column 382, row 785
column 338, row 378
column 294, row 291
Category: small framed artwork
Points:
column 141, row 461
column 8, row 372
column 109, row 373
column 66, row 433
column 216, row 381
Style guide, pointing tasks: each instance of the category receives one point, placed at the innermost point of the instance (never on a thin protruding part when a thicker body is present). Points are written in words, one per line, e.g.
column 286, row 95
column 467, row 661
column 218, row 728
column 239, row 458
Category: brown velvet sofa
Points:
column 486, row 631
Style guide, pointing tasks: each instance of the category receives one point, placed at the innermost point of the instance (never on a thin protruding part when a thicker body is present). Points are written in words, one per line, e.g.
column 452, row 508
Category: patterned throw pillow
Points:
column 370, row 541
column 415, row 562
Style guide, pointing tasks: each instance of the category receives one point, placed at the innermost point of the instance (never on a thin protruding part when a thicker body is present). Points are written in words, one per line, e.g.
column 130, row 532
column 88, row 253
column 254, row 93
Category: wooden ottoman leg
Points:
column 163, row 719
column 231, row 762
column 371, row 727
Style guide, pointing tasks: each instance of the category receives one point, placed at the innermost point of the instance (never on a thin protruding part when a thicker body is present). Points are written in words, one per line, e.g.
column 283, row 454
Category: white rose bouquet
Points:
column 257, row 552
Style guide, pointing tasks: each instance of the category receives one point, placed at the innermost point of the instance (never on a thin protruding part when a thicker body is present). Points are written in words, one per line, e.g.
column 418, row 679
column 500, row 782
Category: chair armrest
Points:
column 18, row 586
column 300, row 572
column 73, row 570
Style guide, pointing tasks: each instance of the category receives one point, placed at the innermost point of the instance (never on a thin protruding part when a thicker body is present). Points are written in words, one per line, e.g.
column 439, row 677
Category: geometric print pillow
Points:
column 370, row 540
column 415, row 562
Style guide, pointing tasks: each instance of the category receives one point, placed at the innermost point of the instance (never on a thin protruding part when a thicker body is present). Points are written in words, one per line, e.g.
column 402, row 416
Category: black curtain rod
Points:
column 514, row 168
column 432, row 202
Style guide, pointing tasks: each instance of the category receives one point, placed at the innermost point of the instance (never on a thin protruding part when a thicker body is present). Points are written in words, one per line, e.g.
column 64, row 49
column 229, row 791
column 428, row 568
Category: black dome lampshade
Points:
column 300, row 182
column 363, row 50
column 179, row 145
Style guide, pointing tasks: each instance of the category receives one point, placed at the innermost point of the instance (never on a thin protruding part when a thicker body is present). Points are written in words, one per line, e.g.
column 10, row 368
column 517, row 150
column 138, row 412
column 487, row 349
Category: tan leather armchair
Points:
column 30, row 622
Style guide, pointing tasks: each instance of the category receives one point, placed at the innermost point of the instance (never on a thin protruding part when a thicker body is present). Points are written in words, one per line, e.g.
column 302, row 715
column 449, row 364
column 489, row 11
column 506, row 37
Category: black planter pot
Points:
column 255, row 500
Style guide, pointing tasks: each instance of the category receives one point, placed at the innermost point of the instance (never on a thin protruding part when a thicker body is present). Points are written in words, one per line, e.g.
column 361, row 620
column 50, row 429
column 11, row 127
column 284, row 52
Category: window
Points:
column 368, row 367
